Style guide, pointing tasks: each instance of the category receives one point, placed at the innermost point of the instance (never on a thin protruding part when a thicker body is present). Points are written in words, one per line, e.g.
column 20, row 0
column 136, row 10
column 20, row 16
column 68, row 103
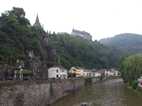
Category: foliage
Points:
column 131, row 68
column 134, row 84
column 76, row 51
column 16, row 36
column 127, row 42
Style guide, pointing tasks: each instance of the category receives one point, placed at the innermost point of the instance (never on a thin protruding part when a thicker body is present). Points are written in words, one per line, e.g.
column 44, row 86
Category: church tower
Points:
column 37, row 23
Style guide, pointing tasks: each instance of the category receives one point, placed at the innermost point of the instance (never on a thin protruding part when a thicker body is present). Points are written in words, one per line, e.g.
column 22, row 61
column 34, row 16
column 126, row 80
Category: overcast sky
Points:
column 101, row 18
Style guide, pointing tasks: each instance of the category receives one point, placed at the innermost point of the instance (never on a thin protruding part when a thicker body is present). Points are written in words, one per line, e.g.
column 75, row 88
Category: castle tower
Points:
column 37, row 23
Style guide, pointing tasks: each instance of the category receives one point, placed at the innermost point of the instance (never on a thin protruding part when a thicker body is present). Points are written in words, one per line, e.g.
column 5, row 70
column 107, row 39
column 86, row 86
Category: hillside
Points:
column 29, row 46
column 76, row 51
column 126, row 42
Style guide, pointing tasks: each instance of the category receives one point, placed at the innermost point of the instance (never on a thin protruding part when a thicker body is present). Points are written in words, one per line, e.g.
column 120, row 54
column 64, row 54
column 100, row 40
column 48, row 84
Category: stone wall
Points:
column 36, row 93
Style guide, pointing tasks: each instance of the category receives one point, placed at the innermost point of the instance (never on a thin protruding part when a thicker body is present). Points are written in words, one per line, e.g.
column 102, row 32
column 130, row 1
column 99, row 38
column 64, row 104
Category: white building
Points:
column 97, row 74
column 140, row 82
column 57, row 72
column 112, row 72
column 87, row 73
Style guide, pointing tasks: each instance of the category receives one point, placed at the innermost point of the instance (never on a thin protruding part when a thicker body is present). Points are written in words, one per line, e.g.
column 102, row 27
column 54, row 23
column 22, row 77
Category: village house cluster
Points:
column 58, row 72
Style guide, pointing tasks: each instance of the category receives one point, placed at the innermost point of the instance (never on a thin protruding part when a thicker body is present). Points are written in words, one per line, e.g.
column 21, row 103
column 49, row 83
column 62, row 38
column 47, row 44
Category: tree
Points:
column 76, row 51
column 131, row 68
column 16, row 36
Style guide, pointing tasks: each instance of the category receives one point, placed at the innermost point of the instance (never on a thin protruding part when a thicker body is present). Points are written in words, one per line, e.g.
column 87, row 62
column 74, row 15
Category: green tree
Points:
column 131, row 68
column 16, row 36
column 76, row 51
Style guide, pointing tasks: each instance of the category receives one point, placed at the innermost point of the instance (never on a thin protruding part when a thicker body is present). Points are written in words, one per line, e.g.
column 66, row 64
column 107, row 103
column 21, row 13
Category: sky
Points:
column 101, row 18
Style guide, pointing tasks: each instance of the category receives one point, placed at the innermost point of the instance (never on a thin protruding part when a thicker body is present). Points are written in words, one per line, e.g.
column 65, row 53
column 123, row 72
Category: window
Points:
column 57, row 76
column 57, row 70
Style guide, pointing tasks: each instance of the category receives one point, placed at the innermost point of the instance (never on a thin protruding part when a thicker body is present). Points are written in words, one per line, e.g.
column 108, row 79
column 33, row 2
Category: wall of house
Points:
column 53, row 72
column 36, row 93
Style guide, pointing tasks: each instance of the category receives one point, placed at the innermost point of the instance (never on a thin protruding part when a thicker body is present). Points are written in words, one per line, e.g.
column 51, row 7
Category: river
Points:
column 107, row 93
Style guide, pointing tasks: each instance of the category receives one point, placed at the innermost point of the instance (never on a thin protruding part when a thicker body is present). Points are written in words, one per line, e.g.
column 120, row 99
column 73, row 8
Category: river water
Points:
column 107, row 93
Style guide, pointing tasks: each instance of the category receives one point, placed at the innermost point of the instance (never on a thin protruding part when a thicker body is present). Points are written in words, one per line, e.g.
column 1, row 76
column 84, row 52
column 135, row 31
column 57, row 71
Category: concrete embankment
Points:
column 36, row 93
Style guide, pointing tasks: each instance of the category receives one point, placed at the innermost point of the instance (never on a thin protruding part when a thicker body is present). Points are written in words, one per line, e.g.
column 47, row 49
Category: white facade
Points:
column 87, row 74
column 97, row 74
column 57, row 72
column 140, row 82
column 112, row 72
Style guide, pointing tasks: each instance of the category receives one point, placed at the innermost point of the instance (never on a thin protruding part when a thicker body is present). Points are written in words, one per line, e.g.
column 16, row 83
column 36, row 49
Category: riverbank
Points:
column 138, row 90
column 36, row 93
column 105, row 93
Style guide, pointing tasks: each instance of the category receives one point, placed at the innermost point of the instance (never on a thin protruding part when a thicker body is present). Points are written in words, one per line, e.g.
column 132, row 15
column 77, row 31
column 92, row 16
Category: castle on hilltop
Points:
column 74, row 32
column 82, row 34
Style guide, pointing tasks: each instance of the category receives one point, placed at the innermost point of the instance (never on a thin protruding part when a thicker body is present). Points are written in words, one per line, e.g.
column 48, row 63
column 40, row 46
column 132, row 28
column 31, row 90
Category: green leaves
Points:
column 131, row 67
column 76, row 51
column 16, row 35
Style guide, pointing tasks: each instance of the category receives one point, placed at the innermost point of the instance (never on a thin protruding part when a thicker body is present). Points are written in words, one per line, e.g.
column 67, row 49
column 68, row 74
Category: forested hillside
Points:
column 76, row 51
column 17, row 36
column 127, row 42
column 23, row 43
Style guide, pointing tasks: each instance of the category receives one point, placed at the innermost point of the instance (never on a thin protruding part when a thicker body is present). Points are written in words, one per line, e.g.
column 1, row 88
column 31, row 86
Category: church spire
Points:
column 37, row 22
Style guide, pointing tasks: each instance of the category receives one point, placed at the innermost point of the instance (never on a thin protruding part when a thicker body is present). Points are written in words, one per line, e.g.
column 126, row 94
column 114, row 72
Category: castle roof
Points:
column 37, row 22
column 82, row 32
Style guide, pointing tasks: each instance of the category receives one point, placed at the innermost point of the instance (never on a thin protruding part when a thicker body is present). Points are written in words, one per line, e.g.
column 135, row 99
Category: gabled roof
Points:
column 58, row 66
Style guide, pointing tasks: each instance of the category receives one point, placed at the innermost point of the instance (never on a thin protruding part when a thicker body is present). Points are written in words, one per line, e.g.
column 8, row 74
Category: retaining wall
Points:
column 36, row 93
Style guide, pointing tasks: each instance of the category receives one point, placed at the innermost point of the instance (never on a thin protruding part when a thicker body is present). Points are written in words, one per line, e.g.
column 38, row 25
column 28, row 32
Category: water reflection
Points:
column 108, row 93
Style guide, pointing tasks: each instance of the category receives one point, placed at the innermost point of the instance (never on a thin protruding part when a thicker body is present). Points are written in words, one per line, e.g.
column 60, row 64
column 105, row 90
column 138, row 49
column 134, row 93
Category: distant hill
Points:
column 126, row 42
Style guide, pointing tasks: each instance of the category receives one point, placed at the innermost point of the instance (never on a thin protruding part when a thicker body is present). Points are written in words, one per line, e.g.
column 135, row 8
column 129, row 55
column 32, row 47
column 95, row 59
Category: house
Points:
column 87, row 73
column 97, row 74
column 100, row 72
column 140, row 82
column 80, row 72
column 76, row 72
column 57, row 72
column 112, row 72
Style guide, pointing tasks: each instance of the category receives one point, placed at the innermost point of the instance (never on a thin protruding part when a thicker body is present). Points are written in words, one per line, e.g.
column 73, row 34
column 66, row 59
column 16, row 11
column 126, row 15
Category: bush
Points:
column 134, row 84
